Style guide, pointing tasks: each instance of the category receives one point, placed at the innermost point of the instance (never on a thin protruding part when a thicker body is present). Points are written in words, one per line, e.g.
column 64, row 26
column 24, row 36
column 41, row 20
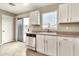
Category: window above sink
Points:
column 49, row 20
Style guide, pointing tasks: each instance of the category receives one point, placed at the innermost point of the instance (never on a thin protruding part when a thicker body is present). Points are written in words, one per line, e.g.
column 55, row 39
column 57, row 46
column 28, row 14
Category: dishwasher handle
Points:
column 31, row 35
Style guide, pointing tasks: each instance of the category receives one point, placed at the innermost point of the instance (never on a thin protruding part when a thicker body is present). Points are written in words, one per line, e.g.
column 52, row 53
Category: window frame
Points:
column 56, row 18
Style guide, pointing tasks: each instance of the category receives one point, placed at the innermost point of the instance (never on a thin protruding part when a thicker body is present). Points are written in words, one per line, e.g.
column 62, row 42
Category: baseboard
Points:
column 7, row 42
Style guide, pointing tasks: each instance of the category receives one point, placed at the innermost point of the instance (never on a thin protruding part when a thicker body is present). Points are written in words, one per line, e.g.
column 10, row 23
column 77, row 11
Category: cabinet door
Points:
column 40, row 43
column 63, row 13
column 65, row 46
column 51, row 45
column 75, row 12
column 76, row 46
column 31, row 17
column 35, row 18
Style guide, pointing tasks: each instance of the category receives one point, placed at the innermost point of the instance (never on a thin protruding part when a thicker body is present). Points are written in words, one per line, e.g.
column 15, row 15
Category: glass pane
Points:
column 26, row 21
column 49, row 20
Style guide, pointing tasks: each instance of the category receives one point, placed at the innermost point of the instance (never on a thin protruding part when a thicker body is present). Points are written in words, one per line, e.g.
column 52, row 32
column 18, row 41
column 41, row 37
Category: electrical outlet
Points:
column 67, row 28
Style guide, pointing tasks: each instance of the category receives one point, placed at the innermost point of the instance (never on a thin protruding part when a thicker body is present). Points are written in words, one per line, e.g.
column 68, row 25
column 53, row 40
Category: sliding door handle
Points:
column 3, row 31
column 59, row 43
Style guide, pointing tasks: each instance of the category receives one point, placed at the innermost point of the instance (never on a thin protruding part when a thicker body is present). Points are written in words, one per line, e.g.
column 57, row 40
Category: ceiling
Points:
column 20, row 7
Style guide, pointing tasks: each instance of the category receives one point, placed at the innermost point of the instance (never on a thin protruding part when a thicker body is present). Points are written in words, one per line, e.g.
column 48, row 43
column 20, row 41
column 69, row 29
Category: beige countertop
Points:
column 66, row 34
column 42, row 33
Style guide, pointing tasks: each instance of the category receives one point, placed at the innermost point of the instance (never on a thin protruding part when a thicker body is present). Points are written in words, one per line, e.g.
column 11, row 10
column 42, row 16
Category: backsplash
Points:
column 61, row 27
column 35, row 28
column 73, row 27
column 38, row 28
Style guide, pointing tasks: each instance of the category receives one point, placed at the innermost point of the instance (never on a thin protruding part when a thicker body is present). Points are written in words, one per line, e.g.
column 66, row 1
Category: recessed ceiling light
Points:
column 26, row 4
column 12, row 4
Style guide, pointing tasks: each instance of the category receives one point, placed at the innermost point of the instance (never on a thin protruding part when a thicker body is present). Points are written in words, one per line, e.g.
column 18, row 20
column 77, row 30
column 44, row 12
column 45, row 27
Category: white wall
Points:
column 0, row 29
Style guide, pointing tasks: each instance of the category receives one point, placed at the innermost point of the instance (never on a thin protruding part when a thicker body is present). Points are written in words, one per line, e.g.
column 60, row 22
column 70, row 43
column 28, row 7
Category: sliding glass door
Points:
column 20, row 30
column 22, row 27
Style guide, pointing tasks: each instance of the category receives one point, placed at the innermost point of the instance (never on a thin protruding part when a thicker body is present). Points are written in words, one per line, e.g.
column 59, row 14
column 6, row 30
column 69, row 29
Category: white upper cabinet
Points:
column 75, row 12
column 65, row 46
column 63, row 13
column 68, row 13
column 35, row 18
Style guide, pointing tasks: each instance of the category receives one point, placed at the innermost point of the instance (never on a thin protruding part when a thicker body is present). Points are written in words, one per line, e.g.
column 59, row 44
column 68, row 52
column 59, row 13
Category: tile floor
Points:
column 33, row 53
column 17, row 49
column 13, row 49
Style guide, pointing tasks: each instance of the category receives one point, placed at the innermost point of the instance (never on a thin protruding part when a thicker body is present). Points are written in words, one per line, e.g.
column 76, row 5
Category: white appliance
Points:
column 31, row 41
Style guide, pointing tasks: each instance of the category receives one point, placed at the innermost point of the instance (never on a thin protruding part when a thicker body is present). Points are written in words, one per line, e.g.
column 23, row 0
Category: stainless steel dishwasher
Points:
column 31, row 41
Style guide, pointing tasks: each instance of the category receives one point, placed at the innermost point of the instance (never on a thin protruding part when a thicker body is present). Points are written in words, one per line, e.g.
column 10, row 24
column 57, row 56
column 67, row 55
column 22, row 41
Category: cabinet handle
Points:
column 67, row 19
column 47, row 45
column 70, row 19
column 46, row 41
column 44, row 45
column 59, row 43
column 65, row 39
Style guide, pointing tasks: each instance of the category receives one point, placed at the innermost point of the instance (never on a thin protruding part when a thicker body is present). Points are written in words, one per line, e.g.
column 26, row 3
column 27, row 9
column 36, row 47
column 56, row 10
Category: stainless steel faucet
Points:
column 48, row 27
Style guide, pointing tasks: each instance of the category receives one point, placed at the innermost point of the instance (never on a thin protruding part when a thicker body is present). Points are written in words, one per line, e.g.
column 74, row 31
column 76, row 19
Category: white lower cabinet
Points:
column 51, row 45
column 65, row 46
column 58, row 45
column 40, row 43
column 76, row 46
column 46, row 44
